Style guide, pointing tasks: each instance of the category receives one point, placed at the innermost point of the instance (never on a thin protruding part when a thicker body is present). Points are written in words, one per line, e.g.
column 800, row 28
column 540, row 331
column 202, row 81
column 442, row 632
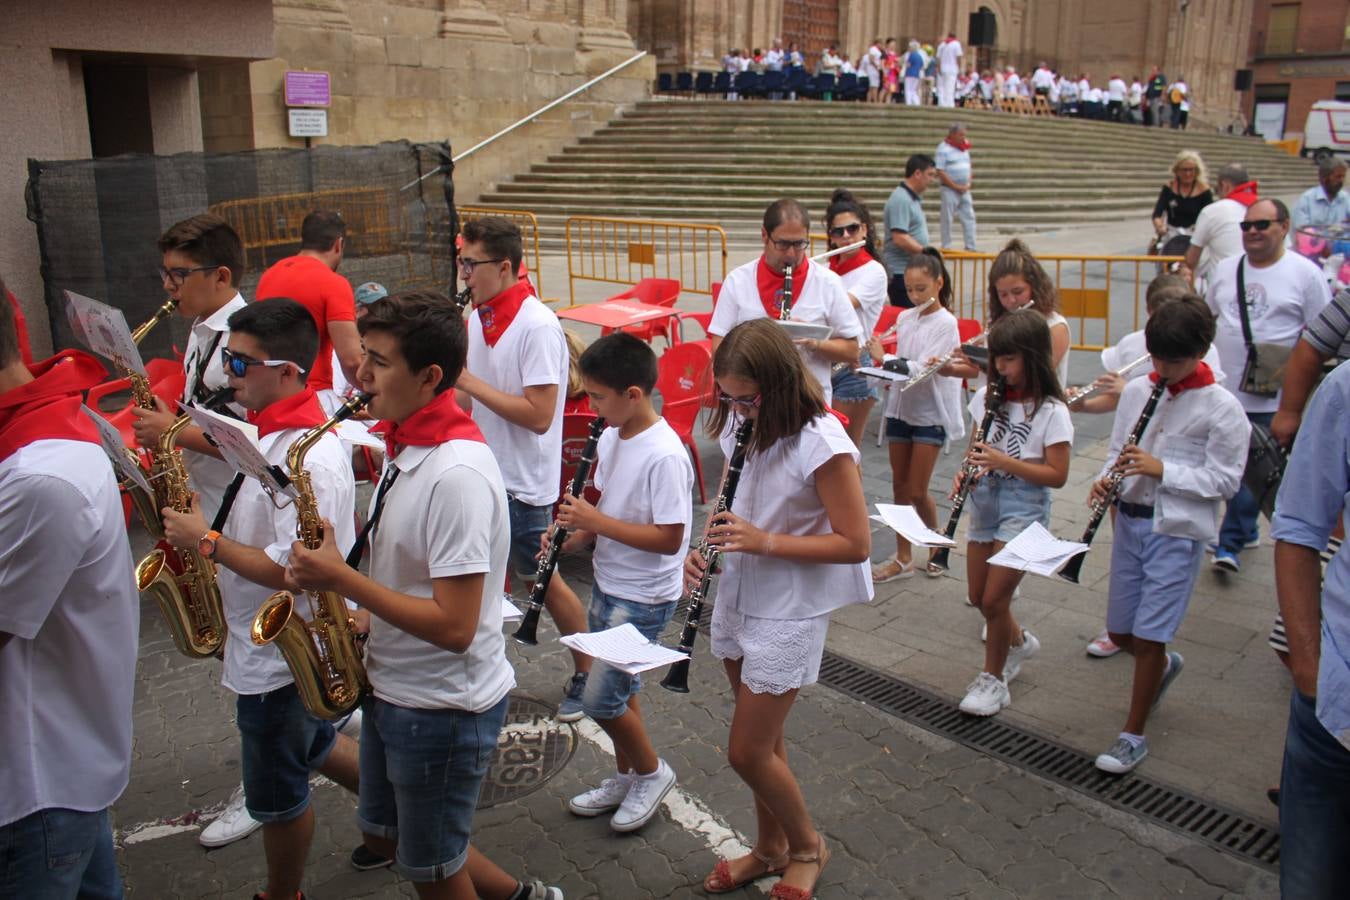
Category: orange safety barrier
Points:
column 625, row 251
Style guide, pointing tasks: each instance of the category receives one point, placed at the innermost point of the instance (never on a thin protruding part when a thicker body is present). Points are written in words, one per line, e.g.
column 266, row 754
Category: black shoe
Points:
column 364, row 859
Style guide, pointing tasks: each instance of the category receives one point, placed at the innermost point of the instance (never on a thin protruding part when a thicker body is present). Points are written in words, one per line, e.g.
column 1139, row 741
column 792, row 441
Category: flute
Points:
column 1087, row 390
column 821, row 257
column 993, row 399
column 933, row 368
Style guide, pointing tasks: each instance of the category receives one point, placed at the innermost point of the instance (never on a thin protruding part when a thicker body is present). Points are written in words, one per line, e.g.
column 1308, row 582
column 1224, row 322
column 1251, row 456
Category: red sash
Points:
column 841, row 266
column 300, row 410
column 1203, row 376
column 497, row 314
column 1244, row 193
column 48, row 407
column 770, row 285
column 439, row 421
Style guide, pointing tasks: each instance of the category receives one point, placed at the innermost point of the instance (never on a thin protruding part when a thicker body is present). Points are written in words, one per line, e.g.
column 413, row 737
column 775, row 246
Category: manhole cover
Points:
column 532, row 748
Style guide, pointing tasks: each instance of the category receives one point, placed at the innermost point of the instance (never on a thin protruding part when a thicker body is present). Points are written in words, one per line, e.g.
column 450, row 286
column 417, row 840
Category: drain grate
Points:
column 1170, row 807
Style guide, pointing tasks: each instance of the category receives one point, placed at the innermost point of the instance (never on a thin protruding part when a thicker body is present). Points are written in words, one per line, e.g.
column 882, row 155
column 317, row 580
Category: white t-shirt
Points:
column 1022, row 438
column 1061, row 367
column 949, row 56
column 647, row 480
column 1282, row 299
column 444, row 516
column 1133, row 345
column 209, row 476
column 1042, row 78
column 1115, row 90
column 868, row 284
column 256, row 522
column 1136, row 93
column 938, row 400
column 777, row 492
column 1217, row 234
column 822, row 300
column 1084, row 87
column 1011, row 82
column 69, row 600
column 532, row 351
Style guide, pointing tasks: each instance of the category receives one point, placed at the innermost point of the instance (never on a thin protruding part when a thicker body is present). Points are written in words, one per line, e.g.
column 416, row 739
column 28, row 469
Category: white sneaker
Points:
column 644, row 798
column 231, row 825
column 351, row 726
column 609, row 795
column 985, row 696
column 1012, row 666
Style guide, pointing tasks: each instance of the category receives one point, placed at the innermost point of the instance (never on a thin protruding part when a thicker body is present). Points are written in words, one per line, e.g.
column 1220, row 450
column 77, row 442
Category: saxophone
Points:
column 147, row 506
column 190, row 601
column 323, row 654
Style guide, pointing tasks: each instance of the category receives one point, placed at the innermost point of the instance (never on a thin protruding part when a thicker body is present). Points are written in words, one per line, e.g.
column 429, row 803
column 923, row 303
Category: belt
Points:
column 1134, row 510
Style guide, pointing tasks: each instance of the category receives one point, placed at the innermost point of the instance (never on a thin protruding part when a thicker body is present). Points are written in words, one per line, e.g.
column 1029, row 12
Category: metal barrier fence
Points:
column 624, row 251
column 529, row 233
column 375, row 225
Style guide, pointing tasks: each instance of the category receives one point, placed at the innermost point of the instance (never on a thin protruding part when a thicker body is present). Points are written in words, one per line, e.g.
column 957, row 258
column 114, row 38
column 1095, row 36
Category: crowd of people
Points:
column 470, row 410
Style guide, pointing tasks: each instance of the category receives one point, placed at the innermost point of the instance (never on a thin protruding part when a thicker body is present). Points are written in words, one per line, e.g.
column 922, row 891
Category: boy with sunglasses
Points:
column 271, row 346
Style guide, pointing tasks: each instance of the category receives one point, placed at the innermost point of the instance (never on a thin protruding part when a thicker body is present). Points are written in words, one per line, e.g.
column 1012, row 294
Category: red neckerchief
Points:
column 1244, row 193
column 1203, row 376
column 770, row 285
column 439, row 421
column 48, row 407
column 300, row 410
column 959, row 145
column 1012, row 395
column 497, row 314
column 20, row 326
column 841, row 266
column 843, row 419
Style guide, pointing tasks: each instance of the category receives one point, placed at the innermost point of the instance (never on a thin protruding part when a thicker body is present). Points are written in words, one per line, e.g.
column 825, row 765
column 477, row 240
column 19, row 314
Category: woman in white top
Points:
column 1016, row 280
column 794, row 547
column 922, row 418
column 847, row 221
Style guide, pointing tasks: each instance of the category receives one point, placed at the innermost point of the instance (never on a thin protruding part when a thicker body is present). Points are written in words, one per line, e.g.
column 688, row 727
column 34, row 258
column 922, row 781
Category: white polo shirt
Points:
column 949, row 57
column 68, row 597
column 822, row 300
column 867, row 284
column 646, row 479
column 777, row 492
column 209, row 476
column 1217, row 234
column 444, row 516
column 254, row 521
column 532, row 351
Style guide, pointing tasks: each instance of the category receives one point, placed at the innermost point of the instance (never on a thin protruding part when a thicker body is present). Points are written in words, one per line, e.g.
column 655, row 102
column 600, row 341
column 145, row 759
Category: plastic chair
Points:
column 684, row 379
column 703, row 82
column 749, row 84
column 654, row 292
column 684, row 83
column 722, row 83
column 575, row 432
column 885, row 322
column 665, row 83
column 797, row 81
column 773, row 84
column 166, row 382
column 846, row 87
column 704, row 319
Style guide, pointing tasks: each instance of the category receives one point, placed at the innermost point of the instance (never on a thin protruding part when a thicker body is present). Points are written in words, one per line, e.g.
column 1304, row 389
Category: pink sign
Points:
column 308, row 89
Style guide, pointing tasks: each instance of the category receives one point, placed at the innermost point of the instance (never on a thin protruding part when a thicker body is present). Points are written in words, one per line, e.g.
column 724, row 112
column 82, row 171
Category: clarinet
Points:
column 461, row 300
column 677, row 679
column 785, row 310
column 1075, row 565
column 527, row 633
column 993, row 400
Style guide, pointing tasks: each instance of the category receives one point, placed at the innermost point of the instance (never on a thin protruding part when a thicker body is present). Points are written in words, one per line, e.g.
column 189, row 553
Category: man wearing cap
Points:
column 366, row 294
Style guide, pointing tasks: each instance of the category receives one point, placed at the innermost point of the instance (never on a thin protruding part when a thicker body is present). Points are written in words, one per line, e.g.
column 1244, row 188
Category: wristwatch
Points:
column 206, row 544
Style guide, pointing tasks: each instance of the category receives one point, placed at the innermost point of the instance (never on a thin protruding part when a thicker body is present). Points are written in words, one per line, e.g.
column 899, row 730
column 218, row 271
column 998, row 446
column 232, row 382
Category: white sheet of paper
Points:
column 799, row 330
column 121, row 456
column 354, row 432
column 238, row 443
column 1037, row 551
column 623, row 647
column 104, row 330
column 509, row 609
column 884, row 374
column 905, row 520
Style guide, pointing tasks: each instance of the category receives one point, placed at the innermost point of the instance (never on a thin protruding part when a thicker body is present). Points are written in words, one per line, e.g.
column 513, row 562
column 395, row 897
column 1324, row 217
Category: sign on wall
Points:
column 308, row 89
column 308, row 123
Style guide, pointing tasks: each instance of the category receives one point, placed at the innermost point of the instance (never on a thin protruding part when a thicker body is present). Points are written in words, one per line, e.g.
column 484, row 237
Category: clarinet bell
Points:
column 1073, row 567
column 528, row 632
column 941, row 558
column 677, row 679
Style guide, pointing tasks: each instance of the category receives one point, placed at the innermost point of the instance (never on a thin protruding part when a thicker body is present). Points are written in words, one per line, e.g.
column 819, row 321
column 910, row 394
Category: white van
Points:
column 1327, row 130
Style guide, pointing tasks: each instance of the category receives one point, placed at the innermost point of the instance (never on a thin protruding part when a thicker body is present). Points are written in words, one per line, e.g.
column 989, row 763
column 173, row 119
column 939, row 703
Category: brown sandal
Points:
column 719, row 880
column 820, row 857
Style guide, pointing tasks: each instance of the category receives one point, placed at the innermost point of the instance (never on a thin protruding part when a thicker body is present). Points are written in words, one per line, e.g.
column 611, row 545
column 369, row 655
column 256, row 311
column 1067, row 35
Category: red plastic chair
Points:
column 684, row 379
column 884, row 323
column 576, row 429
column 704, row 319
column 968, row 328
column 166, row 382
column 654, row 292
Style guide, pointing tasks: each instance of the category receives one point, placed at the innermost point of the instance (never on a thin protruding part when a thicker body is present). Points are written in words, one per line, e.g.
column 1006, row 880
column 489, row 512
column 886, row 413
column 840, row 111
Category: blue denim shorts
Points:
column 898, row 431
column 1152, row 576
column 56, row 853
column 421, row 772
column 281, row 743
column 1001, row 508
column 528, row 524
column 848, row 386
column 607, row 688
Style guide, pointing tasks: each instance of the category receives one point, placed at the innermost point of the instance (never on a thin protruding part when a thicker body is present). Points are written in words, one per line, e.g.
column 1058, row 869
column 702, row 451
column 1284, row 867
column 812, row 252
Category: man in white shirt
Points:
column 1216, row 234
column 871, row 67
column 1012, row 82
column 1283, row 293
column 1115, row 97
column 755, row 291
column 69, row 623
column 949, row 55
column 517, row 367
column 1179, row 96
column 1042, row 79
column 1135, row 99
column 954, row 172
column 1326, row 203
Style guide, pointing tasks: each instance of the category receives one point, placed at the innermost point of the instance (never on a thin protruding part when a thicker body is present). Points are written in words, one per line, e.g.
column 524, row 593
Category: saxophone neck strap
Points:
column 359, row 548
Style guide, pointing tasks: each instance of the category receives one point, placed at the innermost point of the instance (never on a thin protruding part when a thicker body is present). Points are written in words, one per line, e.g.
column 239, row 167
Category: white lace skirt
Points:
column 778, row 655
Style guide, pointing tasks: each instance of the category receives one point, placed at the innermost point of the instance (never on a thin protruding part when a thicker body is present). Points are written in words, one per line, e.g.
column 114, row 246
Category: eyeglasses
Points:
column 467, row 264
column 237, row 364
column 177, row 276
column 785, row 246
column 841, row 230
column 746, row 402
column 1259, row 224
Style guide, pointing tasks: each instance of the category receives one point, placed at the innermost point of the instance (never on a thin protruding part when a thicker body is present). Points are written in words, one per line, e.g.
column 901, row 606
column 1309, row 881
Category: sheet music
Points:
column 905, row 520
column 122, row 458
column 358, row 433
column 1037, row 551
column 238, row 443
column 510, row 611
column 623, row 647
column 103, row 329
column 799, row 330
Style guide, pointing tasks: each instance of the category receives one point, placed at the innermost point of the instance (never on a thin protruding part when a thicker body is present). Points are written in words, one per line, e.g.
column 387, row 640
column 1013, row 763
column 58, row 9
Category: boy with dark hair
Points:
column 68, row 631
column 640, row 527
column 436, row 656
column 270, row 347
column 1188, row 459
column 514, row 380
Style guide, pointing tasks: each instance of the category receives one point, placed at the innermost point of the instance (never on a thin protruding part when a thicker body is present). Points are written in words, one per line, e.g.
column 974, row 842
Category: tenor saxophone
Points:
column 146, row 505
column 190, row 600
column 323, row 654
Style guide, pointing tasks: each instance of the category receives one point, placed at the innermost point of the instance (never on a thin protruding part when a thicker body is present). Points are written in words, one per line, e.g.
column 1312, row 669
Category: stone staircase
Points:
column 722, row 162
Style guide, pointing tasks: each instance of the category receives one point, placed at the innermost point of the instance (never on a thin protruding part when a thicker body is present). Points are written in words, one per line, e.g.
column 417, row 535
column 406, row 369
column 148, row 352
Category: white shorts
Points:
column 777, row 655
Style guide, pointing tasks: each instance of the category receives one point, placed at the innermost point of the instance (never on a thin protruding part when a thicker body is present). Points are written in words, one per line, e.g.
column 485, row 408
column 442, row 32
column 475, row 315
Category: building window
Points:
column 1343, row 90
column 1282, row 29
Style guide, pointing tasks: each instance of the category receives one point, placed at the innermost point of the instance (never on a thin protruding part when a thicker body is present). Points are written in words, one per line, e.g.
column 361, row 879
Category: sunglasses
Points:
column 841, row 230
column 1258, row 224
column 746, row 402
column 237, row 364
